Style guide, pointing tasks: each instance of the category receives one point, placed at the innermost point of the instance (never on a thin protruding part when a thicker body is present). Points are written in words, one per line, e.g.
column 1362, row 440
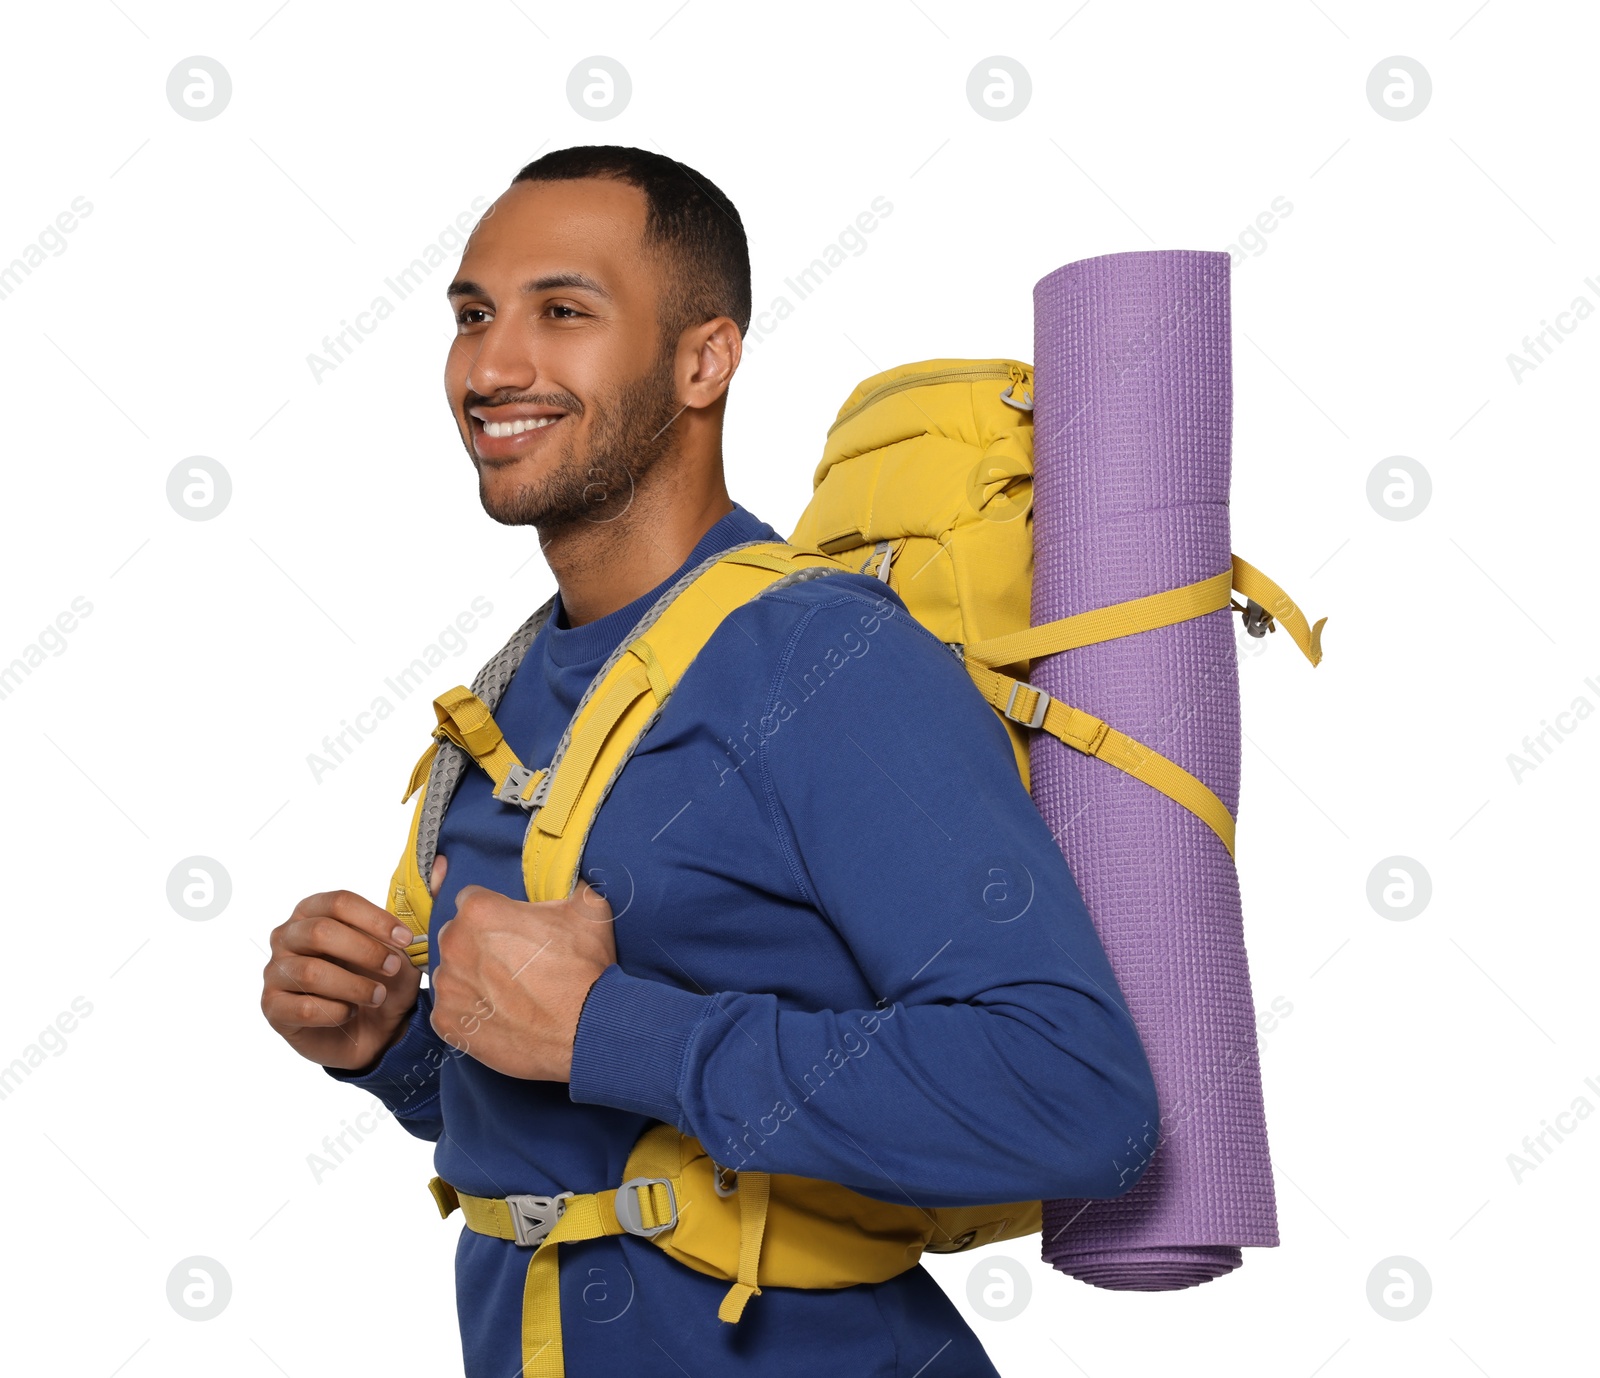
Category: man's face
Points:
column 559, row 389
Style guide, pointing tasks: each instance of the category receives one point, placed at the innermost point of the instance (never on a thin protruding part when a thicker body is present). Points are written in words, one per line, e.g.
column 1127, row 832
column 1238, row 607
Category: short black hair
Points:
column 689, row 219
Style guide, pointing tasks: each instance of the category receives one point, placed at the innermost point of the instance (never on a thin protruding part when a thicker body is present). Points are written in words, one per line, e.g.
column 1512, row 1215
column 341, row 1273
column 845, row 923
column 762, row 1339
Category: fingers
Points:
column 440, row 865
column 479, row 906
column 288, row 1009
column 341, row 924
column 477, row 903
column 338, row 942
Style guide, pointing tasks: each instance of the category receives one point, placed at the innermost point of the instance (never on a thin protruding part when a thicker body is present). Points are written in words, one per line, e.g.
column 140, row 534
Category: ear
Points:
column 708, row 357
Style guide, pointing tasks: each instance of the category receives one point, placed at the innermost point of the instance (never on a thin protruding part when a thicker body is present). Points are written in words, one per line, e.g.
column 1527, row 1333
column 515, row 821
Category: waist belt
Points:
column 642, row 1206
column 746, row 1228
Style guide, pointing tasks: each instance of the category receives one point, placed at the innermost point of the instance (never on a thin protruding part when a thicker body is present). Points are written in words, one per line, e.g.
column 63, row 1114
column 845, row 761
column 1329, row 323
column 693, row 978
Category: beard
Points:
column 630, row 432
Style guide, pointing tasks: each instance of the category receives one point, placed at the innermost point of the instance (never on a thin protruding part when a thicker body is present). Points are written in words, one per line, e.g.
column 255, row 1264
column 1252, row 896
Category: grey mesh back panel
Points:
column 451, row 762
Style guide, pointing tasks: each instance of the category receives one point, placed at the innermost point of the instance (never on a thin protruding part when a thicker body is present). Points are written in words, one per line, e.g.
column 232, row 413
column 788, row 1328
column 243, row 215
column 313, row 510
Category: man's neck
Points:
column 603, row 566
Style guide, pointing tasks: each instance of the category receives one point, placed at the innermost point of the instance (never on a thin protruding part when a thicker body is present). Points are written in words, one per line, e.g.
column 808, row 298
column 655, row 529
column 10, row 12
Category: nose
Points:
column 503, row 361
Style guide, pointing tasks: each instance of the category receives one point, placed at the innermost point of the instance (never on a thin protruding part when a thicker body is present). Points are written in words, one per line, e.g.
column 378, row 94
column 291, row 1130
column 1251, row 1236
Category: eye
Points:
column 466, row 311
column 572, row 312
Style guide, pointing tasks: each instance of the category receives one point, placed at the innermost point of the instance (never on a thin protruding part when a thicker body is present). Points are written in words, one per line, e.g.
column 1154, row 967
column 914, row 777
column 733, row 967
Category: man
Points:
column 804, row 917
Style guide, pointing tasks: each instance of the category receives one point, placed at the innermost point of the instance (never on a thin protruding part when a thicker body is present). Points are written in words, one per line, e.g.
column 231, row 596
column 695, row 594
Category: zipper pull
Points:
column 1019, row 392
column 883, row 549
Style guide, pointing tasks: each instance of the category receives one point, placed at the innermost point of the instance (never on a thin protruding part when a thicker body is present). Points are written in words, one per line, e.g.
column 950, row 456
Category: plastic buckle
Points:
column 1257, row 620
column 1037, row 720
column 533, row 1217
column 724, row 1180
column 629, row 1214
column 510, row 791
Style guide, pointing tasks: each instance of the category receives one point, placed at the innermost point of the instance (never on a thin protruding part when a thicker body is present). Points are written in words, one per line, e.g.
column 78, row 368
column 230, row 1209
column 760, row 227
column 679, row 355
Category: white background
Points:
column 1375, row 320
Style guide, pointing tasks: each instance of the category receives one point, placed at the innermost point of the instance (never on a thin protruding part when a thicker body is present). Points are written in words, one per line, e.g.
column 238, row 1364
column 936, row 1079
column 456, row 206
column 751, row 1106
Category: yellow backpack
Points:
column 926, row 481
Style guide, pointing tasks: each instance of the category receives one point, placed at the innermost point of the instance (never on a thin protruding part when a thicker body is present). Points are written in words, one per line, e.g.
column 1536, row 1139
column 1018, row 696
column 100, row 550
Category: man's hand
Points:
column 512, row 977
column 339, row 985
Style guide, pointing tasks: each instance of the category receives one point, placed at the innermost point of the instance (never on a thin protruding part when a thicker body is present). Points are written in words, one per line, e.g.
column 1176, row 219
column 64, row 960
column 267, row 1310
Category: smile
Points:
column 499, row 430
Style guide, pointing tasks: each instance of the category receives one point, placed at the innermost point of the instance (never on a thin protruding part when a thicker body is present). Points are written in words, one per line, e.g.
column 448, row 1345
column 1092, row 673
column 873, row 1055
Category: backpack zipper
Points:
column 917, row 380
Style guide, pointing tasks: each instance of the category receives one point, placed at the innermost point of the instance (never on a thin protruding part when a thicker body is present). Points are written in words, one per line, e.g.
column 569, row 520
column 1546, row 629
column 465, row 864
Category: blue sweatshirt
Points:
column 848, row 948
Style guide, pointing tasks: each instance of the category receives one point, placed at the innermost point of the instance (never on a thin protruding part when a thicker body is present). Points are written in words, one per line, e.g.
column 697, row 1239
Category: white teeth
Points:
column 500, row 429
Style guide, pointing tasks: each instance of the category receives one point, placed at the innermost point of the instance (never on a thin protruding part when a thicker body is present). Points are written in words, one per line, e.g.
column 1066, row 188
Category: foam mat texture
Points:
column 1132, row 435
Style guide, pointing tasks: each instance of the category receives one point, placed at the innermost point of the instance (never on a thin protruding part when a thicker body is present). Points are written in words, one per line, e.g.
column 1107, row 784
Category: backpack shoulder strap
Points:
column 620, row 704
column 440, row 769
column 631, row 688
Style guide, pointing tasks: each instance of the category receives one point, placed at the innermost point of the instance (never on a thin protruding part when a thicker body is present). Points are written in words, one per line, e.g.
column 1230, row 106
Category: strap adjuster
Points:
column 630, row 1214
column 1043, row 702
column 510, row 789
column 533, row 1217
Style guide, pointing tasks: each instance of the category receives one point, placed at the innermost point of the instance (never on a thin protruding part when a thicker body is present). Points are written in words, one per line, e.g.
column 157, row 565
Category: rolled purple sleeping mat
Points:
column 1133, row 412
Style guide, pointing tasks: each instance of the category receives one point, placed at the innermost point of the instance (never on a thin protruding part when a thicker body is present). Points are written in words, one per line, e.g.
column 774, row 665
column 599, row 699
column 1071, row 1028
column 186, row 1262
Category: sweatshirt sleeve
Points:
column 1000, row 1062
column 406, row 1077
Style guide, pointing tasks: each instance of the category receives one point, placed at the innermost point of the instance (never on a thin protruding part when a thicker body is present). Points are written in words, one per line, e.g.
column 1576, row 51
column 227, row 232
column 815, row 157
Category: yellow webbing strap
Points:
column 1251, row 582
column 445, row 1197
column 419, row 772
column 465, row 719
column 1145, row 614
column 660, row 684
column 1088, row 734
column 758, row 559
column 755, row 1190
column 590, row 1216
column 1103, row 624
column 1091, row 735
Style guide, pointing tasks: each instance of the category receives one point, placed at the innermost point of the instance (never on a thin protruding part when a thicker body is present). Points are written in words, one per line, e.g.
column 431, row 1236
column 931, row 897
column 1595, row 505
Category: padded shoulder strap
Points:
column 627, row 695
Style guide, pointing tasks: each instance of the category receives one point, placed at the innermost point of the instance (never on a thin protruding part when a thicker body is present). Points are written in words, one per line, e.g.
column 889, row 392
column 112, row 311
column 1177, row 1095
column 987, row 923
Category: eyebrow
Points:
column 461, row 287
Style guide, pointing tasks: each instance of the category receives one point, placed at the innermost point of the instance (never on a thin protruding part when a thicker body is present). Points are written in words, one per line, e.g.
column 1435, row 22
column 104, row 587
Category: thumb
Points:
column 436, row 878
column 591, row 901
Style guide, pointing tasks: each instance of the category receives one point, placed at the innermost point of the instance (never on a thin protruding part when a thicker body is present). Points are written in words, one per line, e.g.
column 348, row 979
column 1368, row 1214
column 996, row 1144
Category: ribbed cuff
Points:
column 408, row 1074
column 632, row 1037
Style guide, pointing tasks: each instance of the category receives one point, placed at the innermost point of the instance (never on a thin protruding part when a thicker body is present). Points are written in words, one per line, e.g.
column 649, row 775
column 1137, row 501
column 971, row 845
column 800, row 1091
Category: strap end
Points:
column 444, row 1196
column 732, row 1307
